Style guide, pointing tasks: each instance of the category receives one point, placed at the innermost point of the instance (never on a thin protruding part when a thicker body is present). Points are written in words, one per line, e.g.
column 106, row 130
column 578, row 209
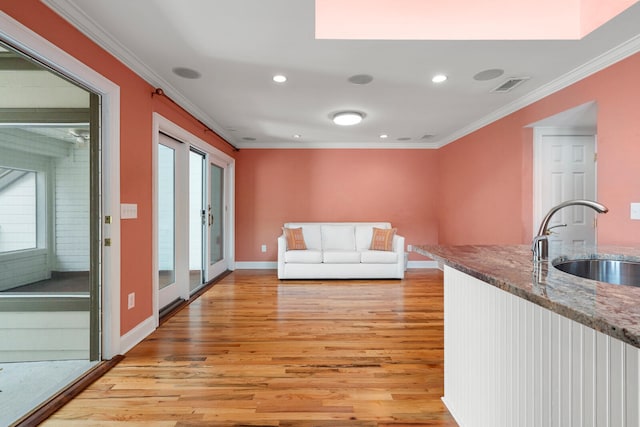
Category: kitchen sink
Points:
column 617, row 272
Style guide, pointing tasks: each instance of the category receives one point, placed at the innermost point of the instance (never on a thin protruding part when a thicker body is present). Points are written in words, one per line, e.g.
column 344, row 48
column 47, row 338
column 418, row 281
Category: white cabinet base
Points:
column 509, row 362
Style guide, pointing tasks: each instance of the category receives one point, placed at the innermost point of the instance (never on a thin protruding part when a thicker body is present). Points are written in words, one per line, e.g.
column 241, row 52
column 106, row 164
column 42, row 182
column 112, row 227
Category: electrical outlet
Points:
column 131, row 300
column 635, row 210
column 264, row 248
column 409, row 248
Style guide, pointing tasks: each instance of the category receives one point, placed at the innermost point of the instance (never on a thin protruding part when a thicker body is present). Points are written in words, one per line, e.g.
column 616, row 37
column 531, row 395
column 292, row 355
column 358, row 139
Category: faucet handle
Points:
column 554, row 226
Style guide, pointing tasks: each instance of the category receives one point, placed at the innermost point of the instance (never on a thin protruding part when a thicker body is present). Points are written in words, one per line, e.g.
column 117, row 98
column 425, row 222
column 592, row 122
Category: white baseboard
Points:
column 272, row 265
column 257, row 265
column 422, row 264
column 137, row 334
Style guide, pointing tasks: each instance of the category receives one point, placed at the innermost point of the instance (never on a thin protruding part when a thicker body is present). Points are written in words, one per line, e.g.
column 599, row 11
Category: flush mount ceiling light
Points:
column 347, row 118
column 279, row 78
column 384, row 136
column 439, row 78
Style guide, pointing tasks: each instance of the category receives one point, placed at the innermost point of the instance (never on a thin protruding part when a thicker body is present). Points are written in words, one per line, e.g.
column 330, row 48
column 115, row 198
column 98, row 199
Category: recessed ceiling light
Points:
column 186, row 73
column 347, row 118
column 279, row 78
column 404, row 138
column 249, row 138
column 297, row 136
column 439, row 78
column 384, row 136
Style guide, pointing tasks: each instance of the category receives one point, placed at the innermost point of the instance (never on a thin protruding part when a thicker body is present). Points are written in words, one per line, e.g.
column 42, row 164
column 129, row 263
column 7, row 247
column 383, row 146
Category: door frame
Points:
column 539, row 132
column 41, row 49
column 166, row 126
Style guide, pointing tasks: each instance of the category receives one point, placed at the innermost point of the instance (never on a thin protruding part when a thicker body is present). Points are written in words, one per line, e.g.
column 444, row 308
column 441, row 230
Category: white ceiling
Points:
column 238, row 45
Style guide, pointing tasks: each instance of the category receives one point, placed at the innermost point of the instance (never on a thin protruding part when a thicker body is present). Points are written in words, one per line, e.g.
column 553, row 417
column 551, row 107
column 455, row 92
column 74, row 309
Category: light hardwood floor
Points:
column 255, row 351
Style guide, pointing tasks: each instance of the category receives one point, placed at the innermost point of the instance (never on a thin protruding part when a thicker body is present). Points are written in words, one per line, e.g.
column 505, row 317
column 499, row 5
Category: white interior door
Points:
column 566, row 171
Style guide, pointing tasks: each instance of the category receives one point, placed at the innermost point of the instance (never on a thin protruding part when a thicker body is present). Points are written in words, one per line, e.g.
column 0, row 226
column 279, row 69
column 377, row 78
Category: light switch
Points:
column 128, row 211
column 635, row 210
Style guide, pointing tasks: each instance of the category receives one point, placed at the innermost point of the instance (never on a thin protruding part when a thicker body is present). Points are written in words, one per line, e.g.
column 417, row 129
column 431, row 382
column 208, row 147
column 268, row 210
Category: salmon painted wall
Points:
column 486, row 179
column 136, row 108
column 278, row 186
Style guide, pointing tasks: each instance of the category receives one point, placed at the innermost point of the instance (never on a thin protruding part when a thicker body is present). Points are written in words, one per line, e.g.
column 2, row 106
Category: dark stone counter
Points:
column 610, row 309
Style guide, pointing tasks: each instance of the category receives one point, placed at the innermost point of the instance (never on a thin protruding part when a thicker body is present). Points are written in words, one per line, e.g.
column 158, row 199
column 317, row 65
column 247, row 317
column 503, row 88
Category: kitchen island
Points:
column 527, row 344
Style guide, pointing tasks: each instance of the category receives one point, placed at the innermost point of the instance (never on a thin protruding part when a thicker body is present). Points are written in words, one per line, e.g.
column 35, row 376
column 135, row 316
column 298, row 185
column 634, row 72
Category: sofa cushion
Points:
column 303, row 257
column 379, row 257
column 311, row 232
column 341, row 257
column 338, row 237
column 382, row 240
column 295, row 238
column 364, row 233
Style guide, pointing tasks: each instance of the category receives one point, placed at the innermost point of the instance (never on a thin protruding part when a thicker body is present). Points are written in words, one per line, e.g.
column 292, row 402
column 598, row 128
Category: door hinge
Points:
column 107, row 219
column 595, row 157
column 107, row 241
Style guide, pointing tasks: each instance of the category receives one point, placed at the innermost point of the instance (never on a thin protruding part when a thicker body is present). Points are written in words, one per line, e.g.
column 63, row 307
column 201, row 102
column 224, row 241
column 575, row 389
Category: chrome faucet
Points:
column 540, row 244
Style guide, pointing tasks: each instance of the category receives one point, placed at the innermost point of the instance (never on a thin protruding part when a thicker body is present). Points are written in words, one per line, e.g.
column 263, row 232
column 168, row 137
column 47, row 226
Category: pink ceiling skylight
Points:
column 463, row 19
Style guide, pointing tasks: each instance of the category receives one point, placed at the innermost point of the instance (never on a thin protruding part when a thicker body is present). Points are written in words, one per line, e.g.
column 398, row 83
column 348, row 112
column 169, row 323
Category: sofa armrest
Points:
column 398, row 244
column 282, row 248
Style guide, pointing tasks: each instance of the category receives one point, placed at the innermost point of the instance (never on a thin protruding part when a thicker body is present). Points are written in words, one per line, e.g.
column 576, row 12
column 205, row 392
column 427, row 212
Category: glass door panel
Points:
column 167, row 220
column 197, row 219
column 216, row 219
column 166, row 216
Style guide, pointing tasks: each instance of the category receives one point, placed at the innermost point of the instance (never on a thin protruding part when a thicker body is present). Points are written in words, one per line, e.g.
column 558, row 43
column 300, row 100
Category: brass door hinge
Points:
column 107, row 241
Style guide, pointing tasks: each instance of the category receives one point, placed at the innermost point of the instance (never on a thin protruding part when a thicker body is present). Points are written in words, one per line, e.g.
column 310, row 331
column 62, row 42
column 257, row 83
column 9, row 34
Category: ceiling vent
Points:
column 510, row 84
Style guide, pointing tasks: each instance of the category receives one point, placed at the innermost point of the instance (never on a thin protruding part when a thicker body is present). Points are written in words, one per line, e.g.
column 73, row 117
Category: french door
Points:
column 192, row 218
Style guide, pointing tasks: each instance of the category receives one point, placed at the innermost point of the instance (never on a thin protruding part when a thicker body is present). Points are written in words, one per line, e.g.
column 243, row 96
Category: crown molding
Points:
column 68, row 10
column 302, row 145
column 618, row 53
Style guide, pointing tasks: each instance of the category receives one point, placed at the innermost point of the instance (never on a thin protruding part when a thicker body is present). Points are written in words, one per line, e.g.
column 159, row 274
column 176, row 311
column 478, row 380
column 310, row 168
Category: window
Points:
column 18, row 204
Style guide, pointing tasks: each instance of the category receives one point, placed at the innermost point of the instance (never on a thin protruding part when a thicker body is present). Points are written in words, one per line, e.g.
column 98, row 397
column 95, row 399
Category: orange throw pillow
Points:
column 295, row 239
column 382, row 239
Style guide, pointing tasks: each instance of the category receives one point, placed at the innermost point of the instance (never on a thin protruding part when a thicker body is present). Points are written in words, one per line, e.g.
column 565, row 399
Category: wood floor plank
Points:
column 256, row 351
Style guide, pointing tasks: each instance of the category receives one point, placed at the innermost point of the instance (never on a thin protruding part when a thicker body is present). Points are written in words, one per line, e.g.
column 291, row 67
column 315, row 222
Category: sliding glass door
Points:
column 192, row 217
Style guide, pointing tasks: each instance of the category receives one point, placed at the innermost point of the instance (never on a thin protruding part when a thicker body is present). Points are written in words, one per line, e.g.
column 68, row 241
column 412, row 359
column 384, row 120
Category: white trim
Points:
column 337, row 145
column 273, row 265
column 164, row 125
column 44, row 51
column 137, row 334
column 72, row 13
column 422, row 264
column 68, row 10
column 257, row 265
column 539, row 132
column 599, row 63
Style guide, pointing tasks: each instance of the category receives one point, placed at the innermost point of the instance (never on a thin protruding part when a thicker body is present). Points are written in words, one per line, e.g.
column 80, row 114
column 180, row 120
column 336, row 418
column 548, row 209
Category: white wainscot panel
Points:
column 509, row 362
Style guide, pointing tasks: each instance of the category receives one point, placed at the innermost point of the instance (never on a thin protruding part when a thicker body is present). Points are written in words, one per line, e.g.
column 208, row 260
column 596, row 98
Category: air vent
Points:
column 427, row 136
column 510, row 84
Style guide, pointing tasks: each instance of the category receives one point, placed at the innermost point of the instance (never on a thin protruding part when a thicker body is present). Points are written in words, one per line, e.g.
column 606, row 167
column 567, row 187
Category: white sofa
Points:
column 340, row 250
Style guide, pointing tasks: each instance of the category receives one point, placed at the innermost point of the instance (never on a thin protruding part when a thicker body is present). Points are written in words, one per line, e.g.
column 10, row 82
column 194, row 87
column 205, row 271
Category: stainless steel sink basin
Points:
column 612, row 271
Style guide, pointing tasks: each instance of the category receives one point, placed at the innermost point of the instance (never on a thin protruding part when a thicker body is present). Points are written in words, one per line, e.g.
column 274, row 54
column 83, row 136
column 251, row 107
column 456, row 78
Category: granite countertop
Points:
column 610, row 309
